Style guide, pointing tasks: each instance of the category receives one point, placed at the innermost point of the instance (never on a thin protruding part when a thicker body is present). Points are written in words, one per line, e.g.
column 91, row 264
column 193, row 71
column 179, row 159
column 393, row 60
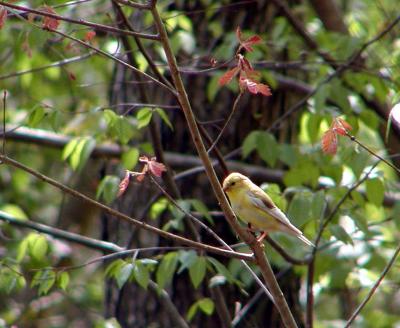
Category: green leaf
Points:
column 15, row 211
column 318, row 205
column 36, row 116
column 143, row 117
column 300, row 208
column 267, row 148
column 124, row 274
column 124, row 130
column 141, row 274
column 187, row 259
column 81, row 153
column 63, row 280
column 38, row 246
column 341, row 234
column 108, row 188
column 221, row 269
column 375, row 191
column 114, row 267
column 69, row 148
column 250, row 143
column 158, row 207
column 288, row 154
column 44, row 279
column 130, row 158
column 164, row 117
column 206, row 305
column 110, row 117
column 197, row 271
column 22, row 249
column 200, row 207
column 166, row 269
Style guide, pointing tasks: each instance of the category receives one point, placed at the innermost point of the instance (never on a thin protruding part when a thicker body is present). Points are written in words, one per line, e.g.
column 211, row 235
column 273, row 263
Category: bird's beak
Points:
column 225, row 189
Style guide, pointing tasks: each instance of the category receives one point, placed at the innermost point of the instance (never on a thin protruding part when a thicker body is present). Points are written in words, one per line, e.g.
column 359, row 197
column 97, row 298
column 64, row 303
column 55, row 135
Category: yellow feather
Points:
column 252, row 205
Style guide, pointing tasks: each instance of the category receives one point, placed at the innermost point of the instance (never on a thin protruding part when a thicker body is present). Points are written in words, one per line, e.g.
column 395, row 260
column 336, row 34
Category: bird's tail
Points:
column 305, row 240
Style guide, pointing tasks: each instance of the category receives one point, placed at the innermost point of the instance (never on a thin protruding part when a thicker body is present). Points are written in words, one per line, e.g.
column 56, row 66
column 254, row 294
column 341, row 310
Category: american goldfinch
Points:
column 255, row 207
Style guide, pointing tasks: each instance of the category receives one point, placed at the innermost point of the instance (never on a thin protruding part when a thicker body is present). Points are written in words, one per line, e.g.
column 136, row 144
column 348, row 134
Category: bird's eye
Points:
column 233, row 183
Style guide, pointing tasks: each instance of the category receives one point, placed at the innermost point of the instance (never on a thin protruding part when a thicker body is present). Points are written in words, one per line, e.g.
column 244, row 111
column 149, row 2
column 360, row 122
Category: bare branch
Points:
column 115, row 213
column 97, row 26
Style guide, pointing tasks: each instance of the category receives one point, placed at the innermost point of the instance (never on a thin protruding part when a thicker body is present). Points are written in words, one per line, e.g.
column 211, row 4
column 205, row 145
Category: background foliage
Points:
column 83, row 119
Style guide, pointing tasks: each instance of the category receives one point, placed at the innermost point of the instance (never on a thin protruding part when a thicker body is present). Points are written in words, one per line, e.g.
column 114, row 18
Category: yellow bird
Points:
column 255, row 207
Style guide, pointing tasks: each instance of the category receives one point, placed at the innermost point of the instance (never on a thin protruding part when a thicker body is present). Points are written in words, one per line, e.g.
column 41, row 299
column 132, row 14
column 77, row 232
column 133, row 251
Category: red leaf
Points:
column 124, row 184
column 340, row 126
column 49, row 23
column 71, row 76
column 254, row 87
column 329, row 142
column 89, row 36
column 244, row 64
column 255, row 39
column 3, row 16
column 156, row 168
column 228, row 76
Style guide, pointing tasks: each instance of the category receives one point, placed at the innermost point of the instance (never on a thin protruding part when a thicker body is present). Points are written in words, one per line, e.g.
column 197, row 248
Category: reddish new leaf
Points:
column 151, row 165
column 156, row 168
column 123, row 185
column 340, row 126
column 228, row 76
column 329, row 142
column 247, row 44
column 254, row 87
column 50, row 23
column 89, row 36
column 3, row 16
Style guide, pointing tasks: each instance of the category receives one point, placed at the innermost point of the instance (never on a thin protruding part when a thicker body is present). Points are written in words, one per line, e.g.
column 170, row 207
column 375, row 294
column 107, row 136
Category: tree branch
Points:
column 97, row 26
column 119, row 215
column 259, row 255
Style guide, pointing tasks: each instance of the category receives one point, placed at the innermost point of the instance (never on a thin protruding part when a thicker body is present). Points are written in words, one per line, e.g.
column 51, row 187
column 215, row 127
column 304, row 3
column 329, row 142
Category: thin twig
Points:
column 97, row 26
column 41, row 68
column 374, row 287
column 257, row 249
column 228, row 120
column 113, row 212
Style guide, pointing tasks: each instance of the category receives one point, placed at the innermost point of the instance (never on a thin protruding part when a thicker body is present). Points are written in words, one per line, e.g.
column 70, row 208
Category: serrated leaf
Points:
column 124, row 130
column 197, row 271
column 164, row 117
column 299, row 208
column 375, row 191
column 318, row 205
column 143, row 117
column 124, row 274
column 22, row 248
column 110, row 117
column 166, row 269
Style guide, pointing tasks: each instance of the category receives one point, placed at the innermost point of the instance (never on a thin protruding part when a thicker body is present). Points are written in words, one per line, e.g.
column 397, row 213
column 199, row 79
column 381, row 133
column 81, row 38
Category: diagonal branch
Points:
column 259, row 255
column 124, row 217
column 97, row 26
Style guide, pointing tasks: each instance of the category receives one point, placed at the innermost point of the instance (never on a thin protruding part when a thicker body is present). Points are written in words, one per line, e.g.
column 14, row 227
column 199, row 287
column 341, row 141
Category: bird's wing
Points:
column 263, row 202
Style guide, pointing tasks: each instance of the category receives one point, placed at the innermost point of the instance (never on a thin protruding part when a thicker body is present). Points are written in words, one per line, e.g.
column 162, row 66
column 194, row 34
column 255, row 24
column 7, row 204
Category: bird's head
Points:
column 233, row 181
